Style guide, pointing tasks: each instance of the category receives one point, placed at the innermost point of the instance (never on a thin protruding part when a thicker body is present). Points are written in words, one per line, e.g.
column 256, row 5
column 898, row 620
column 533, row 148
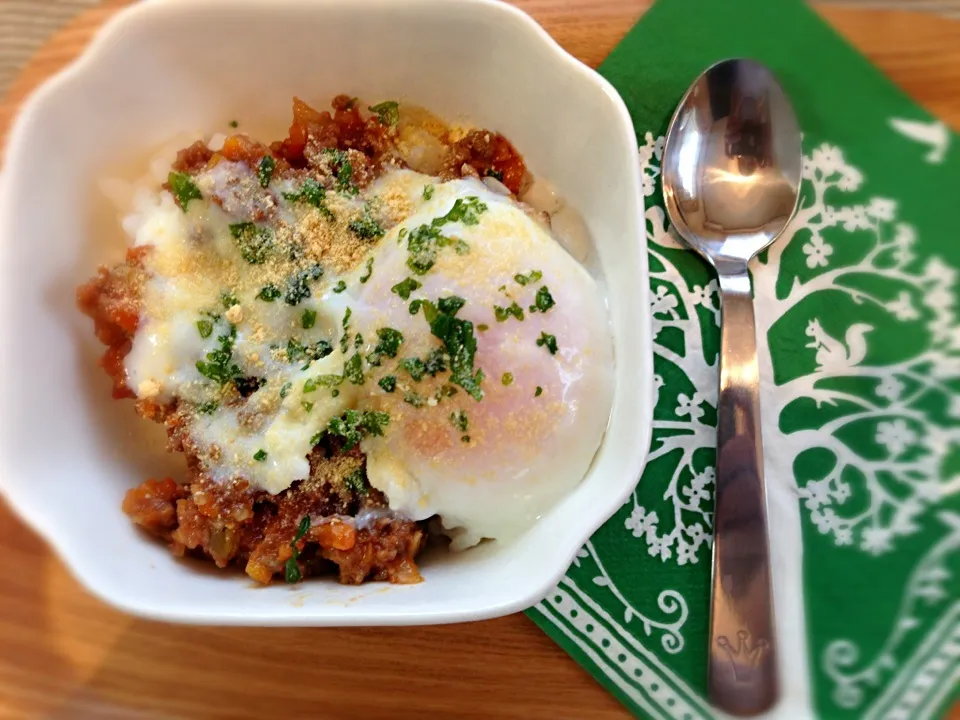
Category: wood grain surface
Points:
column 63, row 654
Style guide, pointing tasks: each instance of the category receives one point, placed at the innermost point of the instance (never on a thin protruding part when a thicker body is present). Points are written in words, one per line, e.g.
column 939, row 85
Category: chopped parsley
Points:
column 297, row 351
column 353, row 369
column 415, row 367
column 357, row 340
column 543, row 301
column 415, row 306
column 547, row 341
column 265, row 170
column 255, row 242
column 369, row 272
column 466, row 210
column 260, row 455
column 345, row 338
column 366, row 228
column 503, row 313
column 309, row 386
column 308, row 319
column 269, row 293
column 427, row 192
column 208, row 408
column 291, row 571
column 459, row 420
column 330, row 381
column 405, row 287
column 538, row 392
column 312, row 193
column 388, row 343
column 465, row 438
column 298, row 287
column 531, row 277
column 388, row 112
column 343, row 169
column 356, row 482
column 183, row 189
column 450, row 305
column 285, row 390
column 415, row 399
column 307, row 406
column 483, row 327
column 446, row 391
column 234, row 124
column 205, row 327
column 354, row 424
column 458, row 341
column 507, row 379
column 436, row 362
column 423, row 244
column 340, row 287
column 495, row 174
column 388, row 383
column 228, row 299
column 218, row 366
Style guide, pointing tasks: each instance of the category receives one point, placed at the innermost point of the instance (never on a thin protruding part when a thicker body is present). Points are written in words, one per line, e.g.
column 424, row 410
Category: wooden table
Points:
column 66, row 655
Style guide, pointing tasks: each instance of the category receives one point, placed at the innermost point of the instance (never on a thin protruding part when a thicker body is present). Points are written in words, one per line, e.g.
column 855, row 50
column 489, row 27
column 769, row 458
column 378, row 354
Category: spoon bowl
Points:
column 732, row 162
column 731, row 183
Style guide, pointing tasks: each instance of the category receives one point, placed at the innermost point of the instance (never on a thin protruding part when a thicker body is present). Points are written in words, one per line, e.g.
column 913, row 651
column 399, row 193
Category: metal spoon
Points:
column 731, row 183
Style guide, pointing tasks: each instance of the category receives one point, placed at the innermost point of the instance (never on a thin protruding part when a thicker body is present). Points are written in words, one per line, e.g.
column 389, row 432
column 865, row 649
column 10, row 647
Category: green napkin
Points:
column 861, row 397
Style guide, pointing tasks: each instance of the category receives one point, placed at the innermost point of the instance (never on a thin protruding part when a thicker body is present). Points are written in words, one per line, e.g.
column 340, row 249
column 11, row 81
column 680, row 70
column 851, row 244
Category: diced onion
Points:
column 542, row 196
column 571, row 232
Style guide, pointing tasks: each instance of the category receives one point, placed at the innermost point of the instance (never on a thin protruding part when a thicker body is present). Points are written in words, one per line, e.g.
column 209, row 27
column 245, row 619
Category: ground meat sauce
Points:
column 351, row 530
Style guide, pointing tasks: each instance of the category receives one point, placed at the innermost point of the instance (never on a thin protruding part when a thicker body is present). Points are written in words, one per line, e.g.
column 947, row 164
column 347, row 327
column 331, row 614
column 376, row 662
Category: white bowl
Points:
column 68, row 453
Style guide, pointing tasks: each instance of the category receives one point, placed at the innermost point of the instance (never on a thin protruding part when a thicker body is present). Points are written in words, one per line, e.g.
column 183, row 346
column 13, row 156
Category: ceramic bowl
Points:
column 68, row 452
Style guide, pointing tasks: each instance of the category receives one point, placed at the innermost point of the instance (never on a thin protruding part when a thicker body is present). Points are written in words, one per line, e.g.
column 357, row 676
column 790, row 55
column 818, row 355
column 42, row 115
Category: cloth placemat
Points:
column 860, row 365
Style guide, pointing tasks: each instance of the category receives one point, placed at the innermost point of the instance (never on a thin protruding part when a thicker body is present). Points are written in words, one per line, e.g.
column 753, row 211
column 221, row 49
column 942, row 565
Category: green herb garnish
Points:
column 297, row 351
column 218, row 366
column 369, row 272
column 269, row 293
column 532, row 277
column 353, row 369
column 538, row 392
column 459, row 342
column 345, row 338
column 260, row 455
column 340, row 287
column 496, row 174
column 255, row 242
column 503, row 313
column 366, row 228
column 265, row 170
column 405, row 287
column 308, row 319
column 228, row 299
column 285, row 390
column 183, row 189
column 234, row 124
column 415, row 399
column 354, row 424
column 205, row 327
column 547, row 341
column 415, row 367
column 388, row 112
column 543, row 301
column 459, row 420
column 307, row 406
column 356, row 482
column 291, row 571
column 388, row 383
column 507, row 379
column 208, row 408
column 427, row 192
column 388, row 343
column 312, row 193
column 298, row 287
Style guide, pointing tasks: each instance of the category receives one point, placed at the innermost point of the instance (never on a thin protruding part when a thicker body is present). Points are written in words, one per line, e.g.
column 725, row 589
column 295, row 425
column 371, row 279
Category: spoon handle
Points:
column 742, row 666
